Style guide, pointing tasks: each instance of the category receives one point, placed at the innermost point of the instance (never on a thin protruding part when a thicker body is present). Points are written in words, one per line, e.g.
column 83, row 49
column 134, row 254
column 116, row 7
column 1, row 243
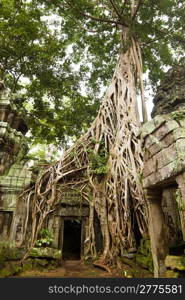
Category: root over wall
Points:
column 104, row 165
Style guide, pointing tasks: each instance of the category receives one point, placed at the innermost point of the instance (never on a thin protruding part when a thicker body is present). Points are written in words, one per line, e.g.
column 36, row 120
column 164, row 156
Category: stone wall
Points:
column 163, row 141
column 13, row 144
column 164, row 146
column 170, row 95
column 171, row 216
column 11, row 185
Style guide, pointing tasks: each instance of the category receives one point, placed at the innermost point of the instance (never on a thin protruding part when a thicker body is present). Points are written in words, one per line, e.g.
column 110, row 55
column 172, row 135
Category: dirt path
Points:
column 71, row 269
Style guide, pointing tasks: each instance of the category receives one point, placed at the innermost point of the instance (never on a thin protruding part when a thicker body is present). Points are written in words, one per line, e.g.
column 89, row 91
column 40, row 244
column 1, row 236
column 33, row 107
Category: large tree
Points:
column 35, row 66
column 90, row 30
column 105, row 164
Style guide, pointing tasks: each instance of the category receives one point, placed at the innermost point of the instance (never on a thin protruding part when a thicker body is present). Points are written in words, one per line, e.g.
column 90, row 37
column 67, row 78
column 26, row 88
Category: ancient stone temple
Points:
column 163, row 140
column 13, row 147
column 71, row 213
column 12, row 131
column 164, row 170
column 68, row 224
column 17, row 179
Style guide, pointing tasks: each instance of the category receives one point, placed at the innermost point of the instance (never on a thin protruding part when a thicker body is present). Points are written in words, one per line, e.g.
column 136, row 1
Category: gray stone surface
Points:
column 46, row 252
column 170, row 94
column 17, row 179
column 175, row 262
column 164, row 150
column 13, row 144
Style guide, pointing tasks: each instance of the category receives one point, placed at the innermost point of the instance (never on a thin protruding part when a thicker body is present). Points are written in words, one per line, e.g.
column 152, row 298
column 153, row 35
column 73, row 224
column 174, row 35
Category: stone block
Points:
column 180, row 146
column 150, row 140
column 171, row 274
column 182, row 122
column 159, row 120
column 153, row 145
column 179, row 133
column 159, row 160
column 150, row 167
column 175, row 262
column 166, row 156
column 166, row 128
column 165, row 174
column 74, row 211
column 10, row 269
column 168, row 140
column 152, row 150
column 151, row 180
column 27, row 264
column 46, row 252
column 148, row 128
column 153, row 125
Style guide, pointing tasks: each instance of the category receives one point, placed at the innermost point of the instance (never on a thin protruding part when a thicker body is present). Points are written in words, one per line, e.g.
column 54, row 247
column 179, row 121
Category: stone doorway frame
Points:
column 157, row 226
column 83, row 233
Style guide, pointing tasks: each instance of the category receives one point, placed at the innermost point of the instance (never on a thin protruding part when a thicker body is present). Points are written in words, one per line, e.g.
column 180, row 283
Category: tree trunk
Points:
column 118, row 196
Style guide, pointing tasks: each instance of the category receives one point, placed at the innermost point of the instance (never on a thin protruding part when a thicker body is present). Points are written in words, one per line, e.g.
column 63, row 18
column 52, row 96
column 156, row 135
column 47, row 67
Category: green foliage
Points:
column 8, row 251
column 178, row 115
column 98, row 161
column 35, row 65
column 178, row 198
column 45, row 239
column 67, row 62
column 144, row 255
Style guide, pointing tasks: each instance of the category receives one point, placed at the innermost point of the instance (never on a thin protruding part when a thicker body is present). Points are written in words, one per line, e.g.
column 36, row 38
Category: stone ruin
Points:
column 12, row 131
column 163, row 141
column 13, row 147
column 170, row 94
column 71, row 214
column 18, row 178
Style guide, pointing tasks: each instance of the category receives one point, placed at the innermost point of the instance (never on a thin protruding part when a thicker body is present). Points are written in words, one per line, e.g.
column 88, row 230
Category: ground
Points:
column 79, row 269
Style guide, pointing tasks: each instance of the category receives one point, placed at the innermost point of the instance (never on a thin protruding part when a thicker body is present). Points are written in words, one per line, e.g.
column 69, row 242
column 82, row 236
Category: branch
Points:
column 118, row 13
column 93, row 17
column 137, row 8
column 124, row 4
column 115, row 8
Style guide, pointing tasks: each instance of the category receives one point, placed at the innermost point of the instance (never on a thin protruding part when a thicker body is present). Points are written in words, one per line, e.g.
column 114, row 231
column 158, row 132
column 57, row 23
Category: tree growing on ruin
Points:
column 105, row 164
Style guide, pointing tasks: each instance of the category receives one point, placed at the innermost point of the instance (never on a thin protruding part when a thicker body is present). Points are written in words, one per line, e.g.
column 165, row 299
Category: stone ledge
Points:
column 175, row 262
column 11, row 142
column 46, row 252
column 159, row 127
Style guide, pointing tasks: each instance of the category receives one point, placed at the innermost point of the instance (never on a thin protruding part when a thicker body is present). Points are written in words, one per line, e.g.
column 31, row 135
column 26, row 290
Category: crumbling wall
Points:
column 163, row 141
column 13, row 145
column 170, row 94
column 18, row 178
column 171, row 215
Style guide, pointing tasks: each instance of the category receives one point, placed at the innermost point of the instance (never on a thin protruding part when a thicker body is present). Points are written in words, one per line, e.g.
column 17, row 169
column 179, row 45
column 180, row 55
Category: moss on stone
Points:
column 45, row 252
column 175, row 262
column 27, row 264
column 10, row 268
column 145, row 261
column 171, row 274
column 144, row 255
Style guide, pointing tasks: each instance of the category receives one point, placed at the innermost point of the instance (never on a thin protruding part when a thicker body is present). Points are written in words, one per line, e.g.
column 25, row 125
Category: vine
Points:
column 104, row 165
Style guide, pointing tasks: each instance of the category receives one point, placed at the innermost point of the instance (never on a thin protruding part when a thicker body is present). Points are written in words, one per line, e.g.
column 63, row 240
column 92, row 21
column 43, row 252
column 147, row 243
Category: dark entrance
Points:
column 72, row 239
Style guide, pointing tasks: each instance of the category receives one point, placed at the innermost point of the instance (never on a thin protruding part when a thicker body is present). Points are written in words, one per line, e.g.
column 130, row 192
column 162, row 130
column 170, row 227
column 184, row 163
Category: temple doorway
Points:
column 71, row 246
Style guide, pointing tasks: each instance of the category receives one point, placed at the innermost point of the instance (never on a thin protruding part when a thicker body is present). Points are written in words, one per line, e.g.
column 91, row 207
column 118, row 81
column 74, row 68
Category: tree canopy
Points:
column 68, row 61
column 106, row 163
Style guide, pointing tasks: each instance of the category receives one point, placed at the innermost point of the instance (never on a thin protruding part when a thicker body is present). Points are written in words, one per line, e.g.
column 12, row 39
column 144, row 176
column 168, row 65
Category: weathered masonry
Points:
column 164, row 170
column 13, row 147
column 68, row 225
column 12, row 131
column 12, row 184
